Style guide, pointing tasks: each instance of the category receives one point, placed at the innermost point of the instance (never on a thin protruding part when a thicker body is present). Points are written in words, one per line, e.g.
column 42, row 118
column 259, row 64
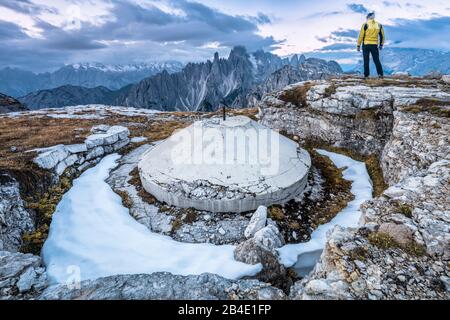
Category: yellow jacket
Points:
column 371, row 33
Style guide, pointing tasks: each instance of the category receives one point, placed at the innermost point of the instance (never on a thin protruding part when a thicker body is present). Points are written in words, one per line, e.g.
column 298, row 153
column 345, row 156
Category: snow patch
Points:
column 305, row 255
column 92, row 230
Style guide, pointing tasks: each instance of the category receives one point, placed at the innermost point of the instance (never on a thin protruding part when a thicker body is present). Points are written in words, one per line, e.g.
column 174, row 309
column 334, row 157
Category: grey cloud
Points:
column 26, row 6
column 135, row 33
column 11, row 31
column 358, row 8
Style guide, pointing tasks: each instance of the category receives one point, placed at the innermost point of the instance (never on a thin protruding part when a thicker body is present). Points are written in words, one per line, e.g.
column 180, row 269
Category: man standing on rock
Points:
column 372, row 38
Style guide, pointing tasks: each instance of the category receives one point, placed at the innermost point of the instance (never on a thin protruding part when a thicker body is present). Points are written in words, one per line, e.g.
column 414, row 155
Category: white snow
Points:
column 361, row 188
column 89, row 111
column 92, row 231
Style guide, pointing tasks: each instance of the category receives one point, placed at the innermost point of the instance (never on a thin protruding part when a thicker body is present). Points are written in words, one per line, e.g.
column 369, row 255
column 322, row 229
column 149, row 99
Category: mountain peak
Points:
column 238, row 51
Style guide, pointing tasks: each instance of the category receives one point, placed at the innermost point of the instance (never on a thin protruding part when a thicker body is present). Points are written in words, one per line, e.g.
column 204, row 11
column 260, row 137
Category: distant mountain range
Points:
column 17, row 82
column 9, row 104
column 417, row 62
column 237, row 81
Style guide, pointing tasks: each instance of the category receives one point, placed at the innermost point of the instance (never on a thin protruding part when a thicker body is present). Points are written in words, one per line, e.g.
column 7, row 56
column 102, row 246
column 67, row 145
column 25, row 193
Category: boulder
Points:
column 251, row 252
column 446, row 78
column 111, row 136
column 48, row 158
column 257, row 222
column 269, row 237
column 21, row 272
column 399, row 232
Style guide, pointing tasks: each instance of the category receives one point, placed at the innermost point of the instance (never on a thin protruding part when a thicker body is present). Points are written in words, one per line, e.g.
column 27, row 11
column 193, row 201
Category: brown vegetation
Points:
column 384, row 241
column 434, row 106
column 297, row 95
column 372, row 163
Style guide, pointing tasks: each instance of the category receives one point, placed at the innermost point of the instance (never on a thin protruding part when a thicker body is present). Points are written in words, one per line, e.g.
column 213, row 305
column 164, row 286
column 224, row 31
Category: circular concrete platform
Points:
column 234, row 165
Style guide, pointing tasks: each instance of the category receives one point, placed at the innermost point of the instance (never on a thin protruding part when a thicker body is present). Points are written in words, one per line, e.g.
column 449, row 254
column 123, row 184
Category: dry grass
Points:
column 297, row 95
column 136, row 182
column 384, row 241
column 160, row 130
column 372, row 163
column 126, row 200
column 435, row 107
column 27, row 133
column 276, row 213
column 334, row 182
column 330, row 90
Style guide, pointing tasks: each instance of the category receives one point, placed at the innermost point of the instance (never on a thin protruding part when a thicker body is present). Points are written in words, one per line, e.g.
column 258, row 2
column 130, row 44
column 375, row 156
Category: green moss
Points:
column 44, row 207
column 405, row 210
column 384, row 241
column 415, row 249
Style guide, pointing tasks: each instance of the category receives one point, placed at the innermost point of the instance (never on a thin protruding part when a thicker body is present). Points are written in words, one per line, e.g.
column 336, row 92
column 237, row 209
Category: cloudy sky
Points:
column 42, row 35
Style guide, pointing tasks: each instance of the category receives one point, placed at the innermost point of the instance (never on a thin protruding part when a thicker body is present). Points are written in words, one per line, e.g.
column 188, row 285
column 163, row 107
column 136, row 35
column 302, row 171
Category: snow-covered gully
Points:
column 305, row 255
column 93, row 233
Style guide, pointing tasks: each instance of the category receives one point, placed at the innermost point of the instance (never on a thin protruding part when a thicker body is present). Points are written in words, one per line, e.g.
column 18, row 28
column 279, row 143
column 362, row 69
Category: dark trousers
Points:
column 369, row 49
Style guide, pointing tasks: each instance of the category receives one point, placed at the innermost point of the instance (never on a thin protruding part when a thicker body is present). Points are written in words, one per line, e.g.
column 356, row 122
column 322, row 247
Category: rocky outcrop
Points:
column 344, row 112
column 165, row 286
column 257, row 222
column 15, row 219
column 104, row 140
column 263, row 240
column 308, row 69
column 9, row 104
column 420, row 138
column 400, row 250
column 22, row 276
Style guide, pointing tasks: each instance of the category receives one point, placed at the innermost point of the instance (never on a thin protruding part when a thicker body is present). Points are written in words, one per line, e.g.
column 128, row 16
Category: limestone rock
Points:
column 257, row 222
column 48, row 158
column 15, row 219
column 76, row 148
column 446, row 78
column 165, row 286
column 400, row 232
column 251, row 252
column 21, row 272
column 269, row 237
